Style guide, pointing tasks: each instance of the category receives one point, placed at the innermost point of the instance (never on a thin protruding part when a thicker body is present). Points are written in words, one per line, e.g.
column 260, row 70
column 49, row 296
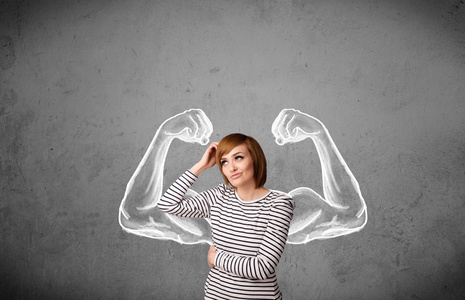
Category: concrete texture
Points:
column 85, row 84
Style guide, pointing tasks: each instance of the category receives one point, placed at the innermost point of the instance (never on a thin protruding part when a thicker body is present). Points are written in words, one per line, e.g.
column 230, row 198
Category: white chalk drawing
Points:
column 341, row 211
column 138, row 213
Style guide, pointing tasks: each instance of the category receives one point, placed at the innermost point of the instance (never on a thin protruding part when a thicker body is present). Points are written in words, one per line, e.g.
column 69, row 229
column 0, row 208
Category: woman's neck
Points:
column 251, row 193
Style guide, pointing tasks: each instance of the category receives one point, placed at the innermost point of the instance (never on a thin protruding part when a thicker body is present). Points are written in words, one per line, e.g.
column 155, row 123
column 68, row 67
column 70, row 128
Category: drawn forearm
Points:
column 340, row 187
column 146, row 185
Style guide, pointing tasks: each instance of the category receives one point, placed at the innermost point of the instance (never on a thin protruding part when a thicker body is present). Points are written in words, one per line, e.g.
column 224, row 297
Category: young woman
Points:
column 249, row 223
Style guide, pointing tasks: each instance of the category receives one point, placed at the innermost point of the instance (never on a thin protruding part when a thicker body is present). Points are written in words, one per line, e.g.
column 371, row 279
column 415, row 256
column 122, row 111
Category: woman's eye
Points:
column 223, row 163
column 239, row 157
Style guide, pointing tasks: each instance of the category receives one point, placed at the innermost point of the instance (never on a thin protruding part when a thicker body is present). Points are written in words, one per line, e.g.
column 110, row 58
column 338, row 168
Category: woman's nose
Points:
column 232, row 166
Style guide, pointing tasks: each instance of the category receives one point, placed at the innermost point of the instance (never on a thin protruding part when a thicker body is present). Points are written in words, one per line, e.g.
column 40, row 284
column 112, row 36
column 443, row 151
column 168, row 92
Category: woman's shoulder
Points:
column 223, row 189
column 282, row 198
column 278, row 194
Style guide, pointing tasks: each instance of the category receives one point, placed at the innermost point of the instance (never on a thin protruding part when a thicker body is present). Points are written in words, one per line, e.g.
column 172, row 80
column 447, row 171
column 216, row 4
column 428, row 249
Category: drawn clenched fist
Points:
column 292, row 126
column 192, row 126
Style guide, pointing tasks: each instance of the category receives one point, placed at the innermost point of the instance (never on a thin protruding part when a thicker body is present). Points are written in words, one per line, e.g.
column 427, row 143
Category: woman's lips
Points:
column 234, row 176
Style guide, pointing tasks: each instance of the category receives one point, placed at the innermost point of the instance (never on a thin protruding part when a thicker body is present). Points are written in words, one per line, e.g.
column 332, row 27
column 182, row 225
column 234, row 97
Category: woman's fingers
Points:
column 209, row 157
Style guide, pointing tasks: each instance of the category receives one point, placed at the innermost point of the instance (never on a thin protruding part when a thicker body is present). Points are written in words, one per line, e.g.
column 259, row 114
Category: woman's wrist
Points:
column 197, row 169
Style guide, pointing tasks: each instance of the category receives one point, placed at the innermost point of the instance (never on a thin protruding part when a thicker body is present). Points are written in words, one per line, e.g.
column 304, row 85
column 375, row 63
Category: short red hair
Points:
column 233, row 140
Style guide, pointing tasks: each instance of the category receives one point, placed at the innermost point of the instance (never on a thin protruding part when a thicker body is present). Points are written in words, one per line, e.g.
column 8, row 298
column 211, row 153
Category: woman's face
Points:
column 237, row 166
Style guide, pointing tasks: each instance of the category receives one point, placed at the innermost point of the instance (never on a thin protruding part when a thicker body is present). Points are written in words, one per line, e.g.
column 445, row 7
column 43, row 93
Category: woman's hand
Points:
column 211, row 256
column 208, row 160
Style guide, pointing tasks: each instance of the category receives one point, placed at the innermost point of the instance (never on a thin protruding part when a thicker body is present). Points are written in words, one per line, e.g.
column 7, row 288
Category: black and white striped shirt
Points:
column 249, row 237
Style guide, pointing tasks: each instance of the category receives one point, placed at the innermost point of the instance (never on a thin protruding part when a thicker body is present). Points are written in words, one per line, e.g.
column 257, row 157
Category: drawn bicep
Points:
column 315, row 218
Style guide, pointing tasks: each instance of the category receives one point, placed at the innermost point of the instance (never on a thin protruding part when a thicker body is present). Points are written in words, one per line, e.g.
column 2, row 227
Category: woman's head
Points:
column 228, row 143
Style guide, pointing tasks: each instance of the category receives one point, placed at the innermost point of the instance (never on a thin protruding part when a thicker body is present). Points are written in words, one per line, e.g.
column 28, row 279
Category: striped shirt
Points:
column 249, row 237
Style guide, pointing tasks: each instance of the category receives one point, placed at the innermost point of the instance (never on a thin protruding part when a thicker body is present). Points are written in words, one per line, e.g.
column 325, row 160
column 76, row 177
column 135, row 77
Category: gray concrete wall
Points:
column 85, row 84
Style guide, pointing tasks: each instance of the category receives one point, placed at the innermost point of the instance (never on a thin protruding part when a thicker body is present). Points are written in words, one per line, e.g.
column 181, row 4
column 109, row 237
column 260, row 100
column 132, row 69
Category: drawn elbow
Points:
column 362, row 217
column 357, row 220
column 124, row 220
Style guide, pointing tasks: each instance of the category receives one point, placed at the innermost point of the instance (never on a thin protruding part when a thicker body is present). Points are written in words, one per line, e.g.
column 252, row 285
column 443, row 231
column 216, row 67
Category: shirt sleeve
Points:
column 174, row 202
column 263, row 265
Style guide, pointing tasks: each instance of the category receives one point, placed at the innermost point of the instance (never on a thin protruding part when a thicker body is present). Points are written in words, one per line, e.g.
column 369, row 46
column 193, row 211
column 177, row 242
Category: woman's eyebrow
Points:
column 237, row 153
column 224, row 158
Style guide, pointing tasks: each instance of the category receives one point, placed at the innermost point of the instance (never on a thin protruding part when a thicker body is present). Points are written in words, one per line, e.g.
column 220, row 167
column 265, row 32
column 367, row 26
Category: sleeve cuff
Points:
column 190, row 174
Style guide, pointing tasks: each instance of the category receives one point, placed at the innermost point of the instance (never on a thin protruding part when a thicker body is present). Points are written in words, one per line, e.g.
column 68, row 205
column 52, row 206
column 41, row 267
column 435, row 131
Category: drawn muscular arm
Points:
column 138, row 213
column 342, row 209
